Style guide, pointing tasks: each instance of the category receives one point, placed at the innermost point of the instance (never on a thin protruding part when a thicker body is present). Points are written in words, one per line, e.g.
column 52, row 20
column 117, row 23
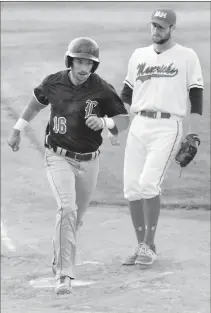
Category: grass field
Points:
column 34, row 38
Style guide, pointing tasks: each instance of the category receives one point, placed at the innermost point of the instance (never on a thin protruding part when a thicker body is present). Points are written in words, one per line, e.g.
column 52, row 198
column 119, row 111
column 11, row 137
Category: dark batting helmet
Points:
column 84, row 48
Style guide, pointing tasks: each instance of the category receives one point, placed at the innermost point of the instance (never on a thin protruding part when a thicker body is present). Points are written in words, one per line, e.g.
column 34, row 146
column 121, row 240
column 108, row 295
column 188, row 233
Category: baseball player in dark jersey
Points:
column 82, row 104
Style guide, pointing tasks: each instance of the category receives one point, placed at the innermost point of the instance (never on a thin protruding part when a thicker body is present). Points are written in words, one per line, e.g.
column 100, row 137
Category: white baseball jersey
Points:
column 161, row 82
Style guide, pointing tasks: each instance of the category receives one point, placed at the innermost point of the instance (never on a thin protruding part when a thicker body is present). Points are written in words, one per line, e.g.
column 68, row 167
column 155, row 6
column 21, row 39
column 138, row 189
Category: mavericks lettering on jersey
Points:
column 145, row 72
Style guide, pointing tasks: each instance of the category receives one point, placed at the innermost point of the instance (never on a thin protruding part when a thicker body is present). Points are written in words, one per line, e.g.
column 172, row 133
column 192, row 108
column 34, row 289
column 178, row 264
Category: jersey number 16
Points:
column 59, row 125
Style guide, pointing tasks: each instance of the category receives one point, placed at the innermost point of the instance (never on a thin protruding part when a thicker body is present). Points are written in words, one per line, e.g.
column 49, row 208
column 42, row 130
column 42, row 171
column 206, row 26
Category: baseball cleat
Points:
column 131, row 259
column 146, row 255
column 63, row 285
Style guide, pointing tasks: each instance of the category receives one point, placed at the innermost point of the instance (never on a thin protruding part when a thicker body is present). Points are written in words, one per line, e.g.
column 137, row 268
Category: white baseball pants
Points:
column 72, row 183
column 151, row 146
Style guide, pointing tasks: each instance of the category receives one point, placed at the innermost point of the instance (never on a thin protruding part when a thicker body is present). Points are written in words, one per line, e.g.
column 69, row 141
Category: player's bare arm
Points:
column 29, row 113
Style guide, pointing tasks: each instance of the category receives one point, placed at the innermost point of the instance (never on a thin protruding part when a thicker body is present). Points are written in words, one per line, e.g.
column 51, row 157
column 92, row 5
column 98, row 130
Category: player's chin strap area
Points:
column 75, row 155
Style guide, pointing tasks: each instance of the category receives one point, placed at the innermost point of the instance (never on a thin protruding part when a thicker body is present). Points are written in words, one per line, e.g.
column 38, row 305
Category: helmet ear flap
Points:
column 68, row 61
column 94, row 67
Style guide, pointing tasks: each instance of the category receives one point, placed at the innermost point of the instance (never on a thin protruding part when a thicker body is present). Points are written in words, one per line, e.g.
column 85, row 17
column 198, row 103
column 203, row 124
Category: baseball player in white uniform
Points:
column 161, row 81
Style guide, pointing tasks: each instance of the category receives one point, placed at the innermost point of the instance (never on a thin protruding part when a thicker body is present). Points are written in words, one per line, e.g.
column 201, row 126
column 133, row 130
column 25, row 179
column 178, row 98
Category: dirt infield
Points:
column 178, row 282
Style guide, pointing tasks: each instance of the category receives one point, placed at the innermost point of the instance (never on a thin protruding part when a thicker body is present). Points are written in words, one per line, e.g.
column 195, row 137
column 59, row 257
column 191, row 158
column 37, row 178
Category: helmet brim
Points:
column 82, row 56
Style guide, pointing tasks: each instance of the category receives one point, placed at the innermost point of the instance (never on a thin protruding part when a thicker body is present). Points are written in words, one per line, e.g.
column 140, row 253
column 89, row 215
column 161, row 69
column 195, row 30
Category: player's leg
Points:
column 137, row 217
column 133, row 165
column 151, row 213
column 61, row 177
column 86, row 181
column 161, row 150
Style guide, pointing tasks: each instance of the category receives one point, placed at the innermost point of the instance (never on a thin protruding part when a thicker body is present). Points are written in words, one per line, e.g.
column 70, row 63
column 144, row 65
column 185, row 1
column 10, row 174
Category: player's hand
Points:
column 113, row 139
column 94, row 122
column 14, row 140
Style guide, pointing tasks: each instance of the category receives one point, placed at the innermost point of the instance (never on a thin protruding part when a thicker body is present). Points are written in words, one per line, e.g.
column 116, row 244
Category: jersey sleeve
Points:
column 129, row 79
column 40, row 92
column 126, row 94
column 112, row 104
column 194, row 72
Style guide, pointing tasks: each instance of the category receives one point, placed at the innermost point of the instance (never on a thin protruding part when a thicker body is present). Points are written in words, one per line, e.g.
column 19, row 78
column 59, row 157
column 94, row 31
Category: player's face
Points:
column 159, row 34
column 81, row 69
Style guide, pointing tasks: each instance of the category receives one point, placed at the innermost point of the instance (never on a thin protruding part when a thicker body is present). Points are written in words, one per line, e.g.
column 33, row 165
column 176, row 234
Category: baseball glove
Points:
column 188, row 150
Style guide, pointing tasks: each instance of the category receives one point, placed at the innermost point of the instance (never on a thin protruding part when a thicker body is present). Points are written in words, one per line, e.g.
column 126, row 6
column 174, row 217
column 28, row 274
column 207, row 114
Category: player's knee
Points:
column 131, row 193
column 67, row 204
column 149, row 189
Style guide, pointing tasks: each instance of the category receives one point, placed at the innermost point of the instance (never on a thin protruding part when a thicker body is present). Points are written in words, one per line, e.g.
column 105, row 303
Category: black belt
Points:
column 75, row 155
column 154, row 114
